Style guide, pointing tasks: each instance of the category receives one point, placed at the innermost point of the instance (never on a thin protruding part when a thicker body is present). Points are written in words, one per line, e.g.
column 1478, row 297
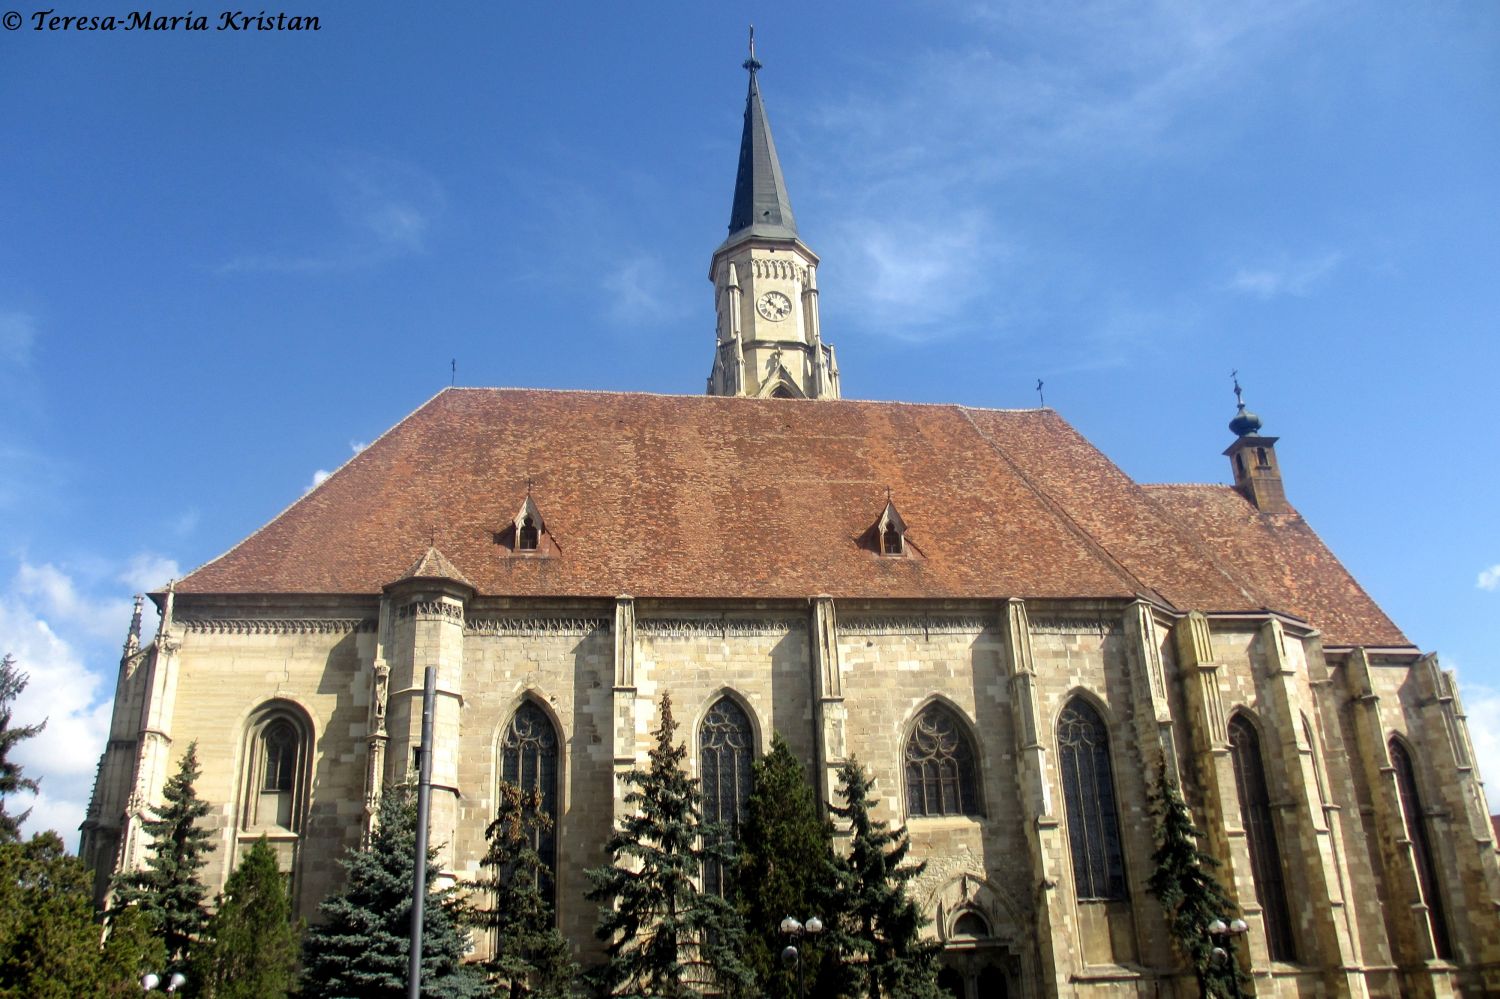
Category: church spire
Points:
column 761, row 206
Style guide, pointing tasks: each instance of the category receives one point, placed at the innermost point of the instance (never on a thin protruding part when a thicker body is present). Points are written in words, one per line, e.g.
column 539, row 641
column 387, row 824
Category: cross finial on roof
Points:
column 1239, row 398
column 752, row 63
column 1040, row 398
column 887, row 494
column 528, row 485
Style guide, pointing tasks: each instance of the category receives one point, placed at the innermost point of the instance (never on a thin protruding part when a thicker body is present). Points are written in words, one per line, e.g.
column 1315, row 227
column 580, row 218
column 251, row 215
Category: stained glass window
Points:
column 528, row 759
column 1421, row 844
column 1089, row 796
column 1260, row 830
column 725, row 749
column 940, row 770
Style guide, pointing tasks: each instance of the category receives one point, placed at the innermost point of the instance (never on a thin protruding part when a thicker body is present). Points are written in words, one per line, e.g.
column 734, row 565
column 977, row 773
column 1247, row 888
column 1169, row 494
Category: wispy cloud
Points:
column 643, row 292
column 1286, row 277
column 321, row 475
column 17, row 335
column 1489, row 579
column 379, row 210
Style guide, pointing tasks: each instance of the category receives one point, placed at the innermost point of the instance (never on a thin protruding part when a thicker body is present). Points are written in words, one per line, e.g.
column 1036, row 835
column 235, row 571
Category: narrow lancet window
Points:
column 276, row 782
column 725, row 748
column 528, row 759
column 940, row 768
column 1089, row 795
column 1421, row 845
column 1260, row 829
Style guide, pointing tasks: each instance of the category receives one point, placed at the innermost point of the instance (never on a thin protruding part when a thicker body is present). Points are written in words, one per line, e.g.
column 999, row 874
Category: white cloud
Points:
column 147, row 572
column 1287, row 277
column 54, row 600
column 1489, row 579
column 319, row 477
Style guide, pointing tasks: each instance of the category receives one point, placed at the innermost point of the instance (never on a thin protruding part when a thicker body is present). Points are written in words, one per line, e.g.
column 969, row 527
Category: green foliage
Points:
column 665, row 936
column 531, row 957
column 360, row 950
column 130, row 950
column 1183, row 882
column 249, row 949
column 12, row 781
column 785, row 867
column 49, row 939
column 169, row 891
column 879, row 927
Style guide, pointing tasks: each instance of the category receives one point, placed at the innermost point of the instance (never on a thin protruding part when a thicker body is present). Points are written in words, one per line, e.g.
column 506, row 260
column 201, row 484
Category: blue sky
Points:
column 227, row 260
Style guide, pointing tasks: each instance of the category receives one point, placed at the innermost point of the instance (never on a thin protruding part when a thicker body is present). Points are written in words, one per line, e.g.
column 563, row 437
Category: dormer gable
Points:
column 527, row 532
column 887, row 537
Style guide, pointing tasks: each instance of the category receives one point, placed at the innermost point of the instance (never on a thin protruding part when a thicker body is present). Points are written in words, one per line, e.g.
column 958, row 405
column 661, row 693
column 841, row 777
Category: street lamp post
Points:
column 174, row 982
column 1224, row 935
column 791, row 956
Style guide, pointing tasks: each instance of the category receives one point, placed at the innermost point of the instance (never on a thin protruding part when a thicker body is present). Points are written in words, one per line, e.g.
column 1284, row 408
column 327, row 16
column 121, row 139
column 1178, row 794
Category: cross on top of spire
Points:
column 752, row 63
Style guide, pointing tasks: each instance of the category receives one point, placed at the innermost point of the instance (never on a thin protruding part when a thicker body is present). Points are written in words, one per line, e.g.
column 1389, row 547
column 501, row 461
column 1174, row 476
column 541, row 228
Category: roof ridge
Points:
column 747, row 399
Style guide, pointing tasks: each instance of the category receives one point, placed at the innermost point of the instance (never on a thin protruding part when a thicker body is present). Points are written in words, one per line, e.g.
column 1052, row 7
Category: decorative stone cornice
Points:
column 274, row 625
column 917, row 624
column 535, row 627
column 714, row 627
column 1076, row 626
column 448, row 610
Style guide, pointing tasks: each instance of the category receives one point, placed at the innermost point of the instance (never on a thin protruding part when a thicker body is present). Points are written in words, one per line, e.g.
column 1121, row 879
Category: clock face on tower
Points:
column 774, row 306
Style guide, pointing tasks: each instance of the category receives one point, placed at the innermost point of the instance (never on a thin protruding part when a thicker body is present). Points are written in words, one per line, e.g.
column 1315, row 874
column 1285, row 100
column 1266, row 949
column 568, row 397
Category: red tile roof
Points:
column 696, row 496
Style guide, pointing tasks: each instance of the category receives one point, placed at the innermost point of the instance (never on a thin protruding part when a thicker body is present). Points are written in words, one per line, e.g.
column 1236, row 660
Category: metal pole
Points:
column 424, row 810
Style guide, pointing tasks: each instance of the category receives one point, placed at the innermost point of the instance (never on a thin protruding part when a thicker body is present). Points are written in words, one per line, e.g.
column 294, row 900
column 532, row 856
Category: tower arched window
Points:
column 1421, row 844
column 276, row 775
column 941, row 776
column 1089, row 796
column 528, row 759
column 1260, row 830
column 725, row 749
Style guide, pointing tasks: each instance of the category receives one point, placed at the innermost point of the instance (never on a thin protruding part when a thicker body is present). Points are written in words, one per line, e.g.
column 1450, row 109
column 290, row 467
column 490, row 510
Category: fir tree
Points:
column 249, row 949
column 665, row 936
column 12, row 781
column 49, row 942
column 880, row 926
column 169, row 892
column 785, row 868
column 361, row 949
column 131, row 949
column 1183, row 882
column 531, row 957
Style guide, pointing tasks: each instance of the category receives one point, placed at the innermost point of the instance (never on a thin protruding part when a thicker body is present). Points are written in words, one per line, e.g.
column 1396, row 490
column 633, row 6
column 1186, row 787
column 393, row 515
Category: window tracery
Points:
column 276, row 762
column 941, row 776
column 529, row 760
column 725, row 750
column 1089, row 797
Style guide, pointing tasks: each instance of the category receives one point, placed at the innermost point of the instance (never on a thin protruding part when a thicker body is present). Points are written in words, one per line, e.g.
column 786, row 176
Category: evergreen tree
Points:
column 361, row 949
column 666, row 937
column 531, row 957
column 12, row 682
column 880, row 926
column 1183, row 882
column 249, row 949
column 785, row 868
column 130, row 950
column 169, row 892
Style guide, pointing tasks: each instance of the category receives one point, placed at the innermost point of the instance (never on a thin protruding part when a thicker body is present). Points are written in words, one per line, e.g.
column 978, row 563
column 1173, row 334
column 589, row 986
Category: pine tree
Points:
column 785, row 868
column 49, row 941
column 360, row 950
column 12, row 682
column 130, row 950
column 250, row 947
column 879, row 926
column 665, row 936
column 1183, row 882
column 531, row 957
column 169, row 892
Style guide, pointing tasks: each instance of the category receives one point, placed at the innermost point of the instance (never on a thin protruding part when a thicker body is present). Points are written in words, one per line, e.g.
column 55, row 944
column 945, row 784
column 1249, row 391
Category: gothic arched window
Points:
column 725, row 748
column 1089, row 796
column 1421, row 844
column 1260, row 830
column 940, row 768
column 276, row 762
column 528, row 759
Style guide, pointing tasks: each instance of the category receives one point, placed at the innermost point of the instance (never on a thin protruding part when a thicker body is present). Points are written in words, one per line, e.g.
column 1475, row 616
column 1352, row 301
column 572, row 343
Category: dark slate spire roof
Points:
column 761, row 206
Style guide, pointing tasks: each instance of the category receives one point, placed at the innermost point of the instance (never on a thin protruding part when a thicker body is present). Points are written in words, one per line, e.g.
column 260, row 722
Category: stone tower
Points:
column 765, row 282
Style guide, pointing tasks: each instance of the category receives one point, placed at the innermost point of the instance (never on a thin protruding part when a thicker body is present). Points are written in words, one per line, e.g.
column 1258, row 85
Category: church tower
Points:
column 765, row 281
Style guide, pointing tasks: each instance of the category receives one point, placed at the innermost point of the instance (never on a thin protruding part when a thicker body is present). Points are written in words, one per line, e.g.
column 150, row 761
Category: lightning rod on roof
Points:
column 453, row 372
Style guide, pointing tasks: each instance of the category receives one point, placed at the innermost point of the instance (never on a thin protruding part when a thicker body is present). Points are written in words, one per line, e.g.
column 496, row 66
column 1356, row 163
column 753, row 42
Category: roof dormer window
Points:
column 890, row 540
column 889, row 532
column 527, row 535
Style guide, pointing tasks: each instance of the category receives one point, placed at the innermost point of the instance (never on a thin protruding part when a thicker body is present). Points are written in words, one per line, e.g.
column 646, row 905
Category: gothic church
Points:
column 1010, row 633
